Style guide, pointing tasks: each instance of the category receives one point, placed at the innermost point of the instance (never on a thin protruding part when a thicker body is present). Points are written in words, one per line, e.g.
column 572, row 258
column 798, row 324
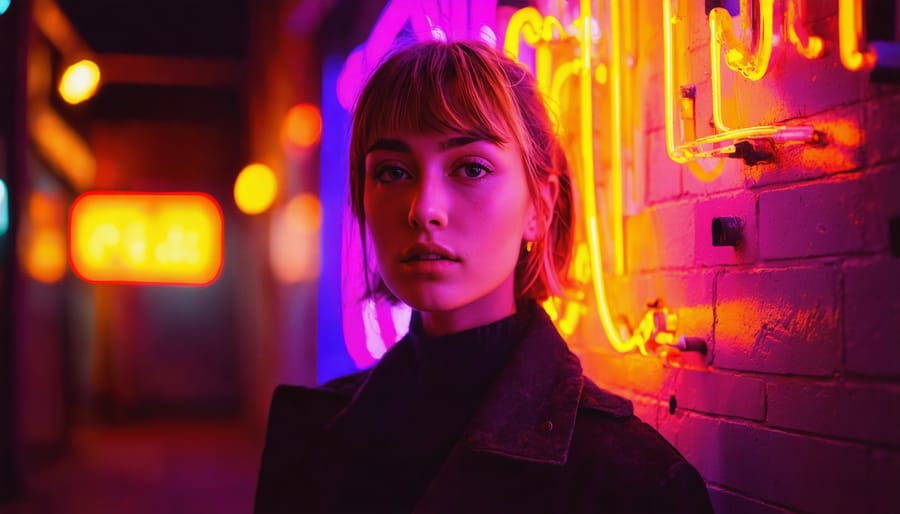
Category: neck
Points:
column 438, row 323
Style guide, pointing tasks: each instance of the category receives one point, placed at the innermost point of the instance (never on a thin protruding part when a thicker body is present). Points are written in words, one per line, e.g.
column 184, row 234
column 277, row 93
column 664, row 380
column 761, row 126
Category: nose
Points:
column 429, row 205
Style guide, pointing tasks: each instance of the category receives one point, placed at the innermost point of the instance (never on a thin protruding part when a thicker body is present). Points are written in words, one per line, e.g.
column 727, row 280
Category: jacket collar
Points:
column 529, row 412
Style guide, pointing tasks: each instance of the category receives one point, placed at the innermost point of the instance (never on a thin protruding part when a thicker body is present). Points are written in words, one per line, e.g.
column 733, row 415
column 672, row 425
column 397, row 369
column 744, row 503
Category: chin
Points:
column 429, row 298
column 429, row 302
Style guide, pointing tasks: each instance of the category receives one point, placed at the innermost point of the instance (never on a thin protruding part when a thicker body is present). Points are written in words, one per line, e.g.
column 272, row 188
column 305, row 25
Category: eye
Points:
column 473, row 170
column 391, row 173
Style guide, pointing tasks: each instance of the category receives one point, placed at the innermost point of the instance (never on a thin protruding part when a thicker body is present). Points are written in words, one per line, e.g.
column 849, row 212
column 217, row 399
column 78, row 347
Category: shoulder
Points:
column 630, row 455
column 347, row 385
column 294, row 406
column 596, row 399
column 606, row 426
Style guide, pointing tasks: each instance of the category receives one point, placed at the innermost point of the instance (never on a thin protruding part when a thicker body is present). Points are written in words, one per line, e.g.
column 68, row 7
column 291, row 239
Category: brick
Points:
column 795, row 471
column 882, row 130
column 778, row 321
column 663, row 179
column 626, row 372
column 872, row 311
column 796, row 87
column 654, row 110
column 732, row 177
column 741, row 205
column 881, row 193
column 695, row 23
column 724, row 394
column 674, row 231
column 819, row 219
column 642, row 247
column 868, row 413
column 733, row 503
column 842, row 149
column 884, row 472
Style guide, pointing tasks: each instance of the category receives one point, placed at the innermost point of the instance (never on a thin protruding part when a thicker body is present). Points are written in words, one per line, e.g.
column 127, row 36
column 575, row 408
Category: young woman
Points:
column 462, row 192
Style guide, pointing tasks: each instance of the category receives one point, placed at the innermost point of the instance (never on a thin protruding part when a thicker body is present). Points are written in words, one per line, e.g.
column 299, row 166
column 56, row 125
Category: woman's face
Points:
column 447, row 214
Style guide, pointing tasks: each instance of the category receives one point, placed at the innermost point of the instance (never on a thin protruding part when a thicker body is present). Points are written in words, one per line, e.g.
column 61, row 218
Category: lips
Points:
column 427, row 252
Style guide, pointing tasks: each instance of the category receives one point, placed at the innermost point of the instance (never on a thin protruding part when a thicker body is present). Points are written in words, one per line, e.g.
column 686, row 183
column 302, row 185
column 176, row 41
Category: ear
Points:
column 549, row 192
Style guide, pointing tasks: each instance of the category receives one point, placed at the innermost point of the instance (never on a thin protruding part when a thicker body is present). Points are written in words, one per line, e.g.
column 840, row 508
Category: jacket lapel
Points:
column 528, row 416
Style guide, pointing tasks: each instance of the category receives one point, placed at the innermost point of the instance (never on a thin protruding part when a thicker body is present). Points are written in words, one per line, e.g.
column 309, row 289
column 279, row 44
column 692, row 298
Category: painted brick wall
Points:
column 796, row 406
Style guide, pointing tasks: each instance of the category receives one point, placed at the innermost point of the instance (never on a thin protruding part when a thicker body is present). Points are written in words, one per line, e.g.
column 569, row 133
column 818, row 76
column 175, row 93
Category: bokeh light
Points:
column 4, row 5
column 43, row 241
column 255, row 188
column 160, row 238
column 79, row 82
column 4, row 208
column 294, row 243
column 302, row 126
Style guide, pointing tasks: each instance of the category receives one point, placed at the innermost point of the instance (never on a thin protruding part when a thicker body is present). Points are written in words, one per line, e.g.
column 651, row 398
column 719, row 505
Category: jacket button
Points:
column 546, row 427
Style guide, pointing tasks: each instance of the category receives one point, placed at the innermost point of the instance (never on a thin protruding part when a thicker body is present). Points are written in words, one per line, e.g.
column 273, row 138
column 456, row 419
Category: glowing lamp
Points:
column 79, row 81
column 302, row 126
column 255, row 188
column 152, row 238
column 4, row 208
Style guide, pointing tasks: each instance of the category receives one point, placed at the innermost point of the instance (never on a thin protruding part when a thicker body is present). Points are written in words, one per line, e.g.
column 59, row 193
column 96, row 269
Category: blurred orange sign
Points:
column 154, row 238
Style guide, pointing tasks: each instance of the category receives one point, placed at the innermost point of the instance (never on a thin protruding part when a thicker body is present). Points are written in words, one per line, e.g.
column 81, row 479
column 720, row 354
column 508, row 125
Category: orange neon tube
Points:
column 850, row 31
column 811, row 47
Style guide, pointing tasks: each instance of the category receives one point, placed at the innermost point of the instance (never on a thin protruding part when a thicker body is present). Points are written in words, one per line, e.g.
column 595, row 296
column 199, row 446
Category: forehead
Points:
column 424, row 104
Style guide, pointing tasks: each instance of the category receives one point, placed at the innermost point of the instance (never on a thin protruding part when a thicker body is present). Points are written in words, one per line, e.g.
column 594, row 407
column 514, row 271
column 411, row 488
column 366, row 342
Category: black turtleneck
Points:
column 413, row 408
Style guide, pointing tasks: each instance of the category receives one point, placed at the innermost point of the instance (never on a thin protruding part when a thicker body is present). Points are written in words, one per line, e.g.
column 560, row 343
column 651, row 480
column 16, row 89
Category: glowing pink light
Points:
column 430, row 19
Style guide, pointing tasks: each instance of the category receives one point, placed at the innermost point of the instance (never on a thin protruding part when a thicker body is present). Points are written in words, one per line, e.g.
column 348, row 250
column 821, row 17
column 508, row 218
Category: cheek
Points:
column 385, row 219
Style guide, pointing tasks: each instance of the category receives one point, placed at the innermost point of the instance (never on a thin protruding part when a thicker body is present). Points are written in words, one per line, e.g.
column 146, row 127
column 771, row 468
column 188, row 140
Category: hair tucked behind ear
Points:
column 470, row 87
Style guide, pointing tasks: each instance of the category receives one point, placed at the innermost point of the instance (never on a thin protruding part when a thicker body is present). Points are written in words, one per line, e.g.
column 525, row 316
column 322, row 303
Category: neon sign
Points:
column 172, row 238
column 538, row 30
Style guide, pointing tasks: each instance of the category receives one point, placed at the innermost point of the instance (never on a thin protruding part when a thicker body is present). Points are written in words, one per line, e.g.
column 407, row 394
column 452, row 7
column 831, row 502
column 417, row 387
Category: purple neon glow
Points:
column 450, row 19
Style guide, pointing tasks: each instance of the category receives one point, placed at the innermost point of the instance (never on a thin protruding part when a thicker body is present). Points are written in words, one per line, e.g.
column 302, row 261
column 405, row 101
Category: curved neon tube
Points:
column 738, row 57
column 850, row 13
column 811, row 47
column 688, row 152
column 589, row 194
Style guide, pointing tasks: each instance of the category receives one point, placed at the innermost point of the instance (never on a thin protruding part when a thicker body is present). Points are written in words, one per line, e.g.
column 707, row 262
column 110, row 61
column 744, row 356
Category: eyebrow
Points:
column 397, row 145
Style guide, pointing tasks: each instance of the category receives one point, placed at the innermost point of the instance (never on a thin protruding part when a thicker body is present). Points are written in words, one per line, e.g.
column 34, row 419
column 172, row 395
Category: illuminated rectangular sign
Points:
column 150, row 238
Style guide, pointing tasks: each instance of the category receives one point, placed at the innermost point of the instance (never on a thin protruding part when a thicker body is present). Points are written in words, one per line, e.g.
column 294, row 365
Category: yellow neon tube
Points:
column 589, row 194
column 615, row 86
column 850, row 30
column 535, row 28
column 738, row 57
column 563, row 73
column 715, row 70
column 811, row 47
column 688, row 152
column 525, row 23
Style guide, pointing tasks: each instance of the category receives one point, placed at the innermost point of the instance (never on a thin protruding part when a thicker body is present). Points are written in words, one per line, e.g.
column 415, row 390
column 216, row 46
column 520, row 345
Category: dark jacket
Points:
column 545, row 440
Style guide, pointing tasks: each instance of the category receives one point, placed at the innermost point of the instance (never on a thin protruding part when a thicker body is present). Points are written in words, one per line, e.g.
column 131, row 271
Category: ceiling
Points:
column 186, row 28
